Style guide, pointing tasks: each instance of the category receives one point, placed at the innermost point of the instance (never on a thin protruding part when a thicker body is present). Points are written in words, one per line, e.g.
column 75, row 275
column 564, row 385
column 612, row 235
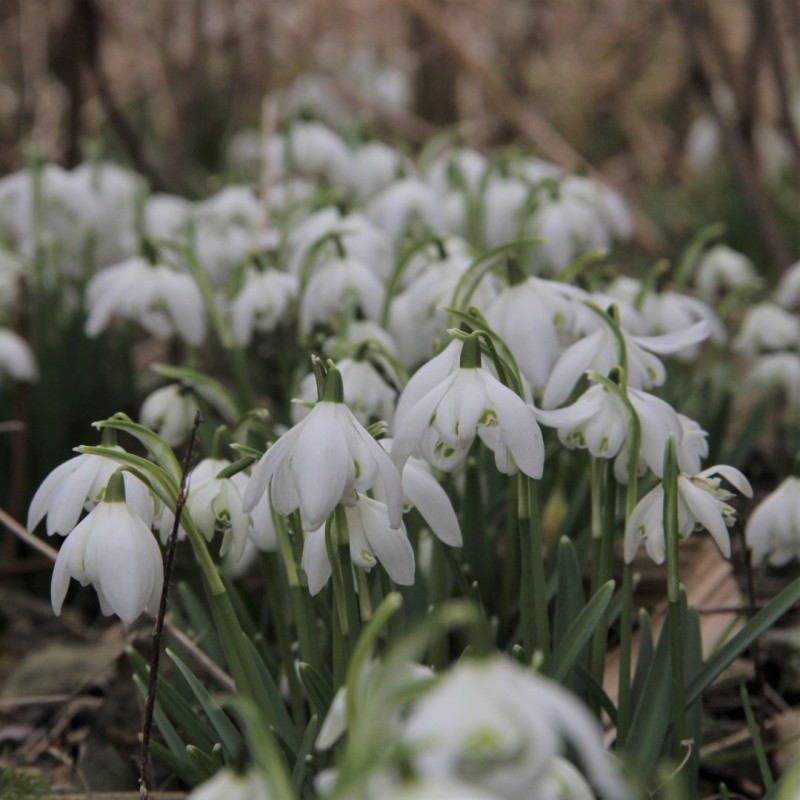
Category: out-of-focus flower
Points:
column 170, row 412
column 767, row 326
column 723, row 269
column 702, row 503
column 773, row 530
column 788, row 292
column 777, row 370
column 404, row 203
column 114, row 550
column 262, row 304
column 228, row 785
column 17, row 360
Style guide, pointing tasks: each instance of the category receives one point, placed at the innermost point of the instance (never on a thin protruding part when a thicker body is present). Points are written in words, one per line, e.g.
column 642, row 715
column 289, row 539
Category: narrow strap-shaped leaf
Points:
column 569, row 597
column 228, row 734
column 595, row 691
column 201, row 760
column 319, row 690
column 579, row 633
column 182, row 766
column 301, row 763
column 209, row 389
column 202, row 622
column 644, row 658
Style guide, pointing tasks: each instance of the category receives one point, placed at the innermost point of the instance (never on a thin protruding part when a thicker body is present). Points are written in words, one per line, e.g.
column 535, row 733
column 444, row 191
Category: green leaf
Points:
column 579, row 633
column 201, row 760
column 319, row 690
column 644, row 658
column 204, row 630
column 569, row 596
column 228, row 734
column 788, row 787
column 182, row 766
column 301, row 759
column 212, row 391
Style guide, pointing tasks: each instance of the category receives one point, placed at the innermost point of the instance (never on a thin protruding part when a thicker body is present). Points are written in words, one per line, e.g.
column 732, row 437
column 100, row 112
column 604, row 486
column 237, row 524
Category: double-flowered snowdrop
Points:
column 508, row 734
column 114, row 550
column 17, row 360
column 702, row 503
column 322, row 462
column 443, row 423
column 773, row 531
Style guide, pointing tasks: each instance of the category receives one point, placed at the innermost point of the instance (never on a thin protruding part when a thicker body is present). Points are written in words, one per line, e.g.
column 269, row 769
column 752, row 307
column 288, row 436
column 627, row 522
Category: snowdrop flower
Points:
column 261, row 532
column 461, row 168
column 366, row 392
column 323, row 461
column 773, row 531
column 777, row 370
column 539, row 311
column 80, row 484
column 767, row 326
column 723, row 269
column 599, row 351
column 233, row 206
column 220, row 251
column 337, row 285
column 442, row 424
column 505, row 739
column 164, row 302
column 17, row 360
column 600, row 422
column 170, row 412
column 262, row 304
column 438, row 789
column 310, row 147
column 166, row 216
column 114, row 550
column 691, row 445
column 372, row 538
column 11, row 270
column 228, row 785
column 372, row 167
column 504, row 200
column 402, row 203
column 305, row 234
column 788, row 292
column 702, row 503
column 608, row 204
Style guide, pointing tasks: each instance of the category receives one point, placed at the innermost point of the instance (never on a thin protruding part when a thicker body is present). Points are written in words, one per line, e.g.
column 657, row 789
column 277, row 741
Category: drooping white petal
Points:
column 677, row 340
column 572, row 363
column 520, row 430
column 390, row 545
column 430, row 499
column 706, row 510
column 315, row 562
column 732, row 475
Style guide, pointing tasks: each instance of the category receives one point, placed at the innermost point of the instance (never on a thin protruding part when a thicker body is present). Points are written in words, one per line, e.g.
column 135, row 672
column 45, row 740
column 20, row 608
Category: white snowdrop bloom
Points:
column 722, row 269
column 170, row 412
column 114, row 550
column 229, row 785
column 534, row 311
column 563, row 781
column 313, row 148
column 441, row 426
column 221, row 250
column 611, row 208
column 372, row 539
column 403, row 204
column 264, row 302
column 444, row 248
column 462, row 168
column 702, row 143
column 506, row 737
column 787, row 294
column 359, row 332
column 322, row 462
column 777, row 370
column 599, row 351
column 767, row 326
column 600, row 422
column 306, row 234
column 338, row 286
column 537, row 170
column 691, row 446
column 504, row 200
column 166, row 216
column 773, row 530
column 233, row 206
column 364, row 241
column 164, row 302
column 588, row 321
column 372, row 167
column 287, row 193
column 17, row 360
column 80, row 484
column 366, row 392
column 262, row 531
column 438, row 789
column 702, row 503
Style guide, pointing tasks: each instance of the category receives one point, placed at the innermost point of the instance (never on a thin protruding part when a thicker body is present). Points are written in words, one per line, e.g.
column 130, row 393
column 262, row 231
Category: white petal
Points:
column 732, row 475
column 430, row 499
column 706, row 510
column 315, row 560
column 677, row 340
column 520, row 431
column 572, row 363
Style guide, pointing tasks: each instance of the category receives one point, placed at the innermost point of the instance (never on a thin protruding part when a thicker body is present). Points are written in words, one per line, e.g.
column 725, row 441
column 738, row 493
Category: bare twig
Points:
column 21, row 532
column 155, row 655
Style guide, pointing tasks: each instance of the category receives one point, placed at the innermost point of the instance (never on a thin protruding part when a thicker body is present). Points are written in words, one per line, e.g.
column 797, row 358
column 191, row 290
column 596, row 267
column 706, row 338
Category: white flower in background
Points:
column 500, row 726
column 372, row 538
column 340, row 285
column 691, row 445
column 233, row 206
column 564, row 782
column 767, row 326
column 305, row 235
column 609, row 205
column 773, row 531
column 503, row 202
column 228, row 785
column 788, row 292
column 170, row 412
column 441, row 426
column 263, row 303
column 461, row 168
column 366, row 392
column 702, row 503
column 777, row 370
column 80, row 484
column 164, row 302
column 313, row 148
column 722, row 269
column 114, row 550
column 588, row 321
column 285, row 195
column 220, row 251
column 372, row 167
column 403, row 204
column 322, row 462
column 539, row 311
column 17, row 360
column 600, row 422
column 599, row 351
column 11, row 270
column 166, row 216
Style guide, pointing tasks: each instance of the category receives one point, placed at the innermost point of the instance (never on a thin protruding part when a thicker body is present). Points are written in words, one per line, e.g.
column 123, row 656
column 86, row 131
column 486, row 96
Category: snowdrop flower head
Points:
column 372, row 538
column 114, row 550
column 17, row 360
column 702, row 503
column 323, row 461
column 170, row 412
column 372, row 167
column 470, row 402
column 263, row 303
column 773, row 530
column 404, row 203
column 228, row 785
column 788, row 292
column 461, row 168
column 505, row 739
column 723, row 269
column 311, row 147
column 504, row 201
column 767, row 326
column 777, row 370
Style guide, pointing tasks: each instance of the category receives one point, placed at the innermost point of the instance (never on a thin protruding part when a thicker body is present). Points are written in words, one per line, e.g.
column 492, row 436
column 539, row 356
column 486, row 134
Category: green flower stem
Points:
column 533, row 591
column 438, row 592
column 364, row 595
column 336, row 575
column 346, row 566
column 510, row 574
column 670, row 521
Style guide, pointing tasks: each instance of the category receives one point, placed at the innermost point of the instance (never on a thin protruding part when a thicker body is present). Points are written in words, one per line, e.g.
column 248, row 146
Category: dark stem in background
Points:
column 158, row 630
